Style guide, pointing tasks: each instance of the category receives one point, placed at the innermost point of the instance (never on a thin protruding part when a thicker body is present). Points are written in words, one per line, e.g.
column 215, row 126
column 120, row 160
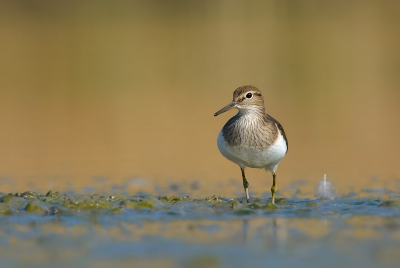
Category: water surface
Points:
column 93, row 230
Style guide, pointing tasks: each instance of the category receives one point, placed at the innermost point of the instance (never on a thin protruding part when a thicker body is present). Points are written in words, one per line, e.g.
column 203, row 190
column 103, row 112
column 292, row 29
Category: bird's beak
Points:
column 226, row 108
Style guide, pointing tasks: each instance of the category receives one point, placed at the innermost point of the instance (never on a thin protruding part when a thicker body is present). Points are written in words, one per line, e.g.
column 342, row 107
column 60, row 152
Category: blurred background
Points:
column 106, row 92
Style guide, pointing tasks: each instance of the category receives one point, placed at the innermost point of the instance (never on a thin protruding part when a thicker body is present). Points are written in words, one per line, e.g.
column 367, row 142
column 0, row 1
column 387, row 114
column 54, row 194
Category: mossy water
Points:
column 97, row 230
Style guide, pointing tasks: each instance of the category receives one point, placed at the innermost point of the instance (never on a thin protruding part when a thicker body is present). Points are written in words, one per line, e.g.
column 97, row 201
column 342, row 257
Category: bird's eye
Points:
column 249, row 95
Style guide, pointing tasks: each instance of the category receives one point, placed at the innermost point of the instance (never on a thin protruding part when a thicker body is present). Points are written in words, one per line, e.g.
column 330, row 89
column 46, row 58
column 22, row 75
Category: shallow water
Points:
column 72, row 229
column 118, row 100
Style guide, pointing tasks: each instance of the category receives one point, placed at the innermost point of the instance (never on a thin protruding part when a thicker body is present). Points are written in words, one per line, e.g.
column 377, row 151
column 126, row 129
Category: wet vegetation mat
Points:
column 81, row 230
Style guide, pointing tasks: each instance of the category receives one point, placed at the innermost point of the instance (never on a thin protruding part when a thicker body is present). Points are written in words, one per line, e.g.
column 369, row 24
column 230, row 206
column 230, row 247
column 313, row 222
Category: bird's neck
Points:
column 252, row 113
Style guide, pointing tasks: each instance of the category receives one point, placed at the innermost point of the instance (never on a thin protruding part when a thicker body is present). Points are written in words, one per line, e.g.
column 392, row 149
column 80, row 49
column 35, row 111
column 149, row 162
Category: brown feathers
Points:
column 251, row 126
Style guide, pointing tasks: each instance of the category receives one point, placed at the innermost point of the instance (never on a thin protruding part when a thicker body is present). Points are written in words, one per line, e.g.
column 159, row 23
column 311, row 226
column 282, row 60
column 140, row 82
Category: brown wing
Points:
column 280, row 129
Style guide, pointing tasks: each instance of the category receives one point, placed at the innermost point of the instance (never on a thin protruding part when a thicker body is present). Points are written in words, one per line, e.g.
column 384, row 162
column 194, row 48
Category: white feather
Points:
column 252, row 157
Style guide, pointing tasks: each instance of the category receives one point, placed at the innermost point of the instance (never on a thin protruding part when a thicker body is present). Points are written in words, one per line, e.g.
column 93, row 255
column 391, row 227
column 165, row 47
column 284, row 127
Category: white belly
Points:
column 246, row 156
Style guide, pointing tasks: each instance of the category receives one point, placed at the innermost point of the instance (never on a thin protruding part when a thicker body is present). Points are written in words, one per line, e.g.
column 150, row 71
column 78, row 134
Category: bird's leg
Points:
column 246, row 186
column 274, row 187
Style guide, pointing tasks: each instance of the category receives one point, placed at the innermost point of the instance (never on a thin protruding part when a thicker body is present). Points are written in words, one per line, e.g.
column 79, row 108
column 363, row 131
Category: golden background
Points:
column 127, row 89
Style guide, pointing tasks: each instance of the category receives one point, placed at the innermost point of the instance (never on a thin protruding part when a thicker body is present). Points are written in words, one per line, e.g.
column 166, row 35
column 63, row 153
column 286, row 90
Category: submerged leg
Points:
column 245, row 185
column 274, row 187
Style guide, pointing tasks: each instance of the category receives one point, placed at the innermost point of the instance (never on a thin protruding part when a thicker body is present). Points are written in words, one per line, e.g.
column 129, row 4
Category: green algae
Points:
column 116, row 197
column 128, row 204
column 213, row 199
column 282, row 201
column 257, row 200
column 56, row 203
column 312, row 204
column 27, row 194
column 255, row 206
column 87, row 204
column 144, row 205
column 53, row 194
column 234, row 204
column 114, row 211
column 11, row 199
column 36, row 207
column 271, row 206
column 156, row 203
column 244, row 212
column 173, row 199
column 221, row 206
column 5, row 209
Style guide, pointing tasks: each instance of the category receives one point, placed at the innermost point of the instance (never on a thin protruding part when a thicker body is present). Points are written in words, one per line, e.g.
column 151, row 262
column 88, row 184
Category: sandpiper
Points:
column 252, row 138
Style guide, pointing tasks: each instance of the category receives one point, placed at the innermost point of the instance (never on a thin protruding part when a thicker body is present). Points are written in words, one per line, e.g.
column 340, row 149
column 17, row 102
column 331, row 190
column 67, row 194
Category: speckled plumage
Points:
column 259, row 133
column 252, row 138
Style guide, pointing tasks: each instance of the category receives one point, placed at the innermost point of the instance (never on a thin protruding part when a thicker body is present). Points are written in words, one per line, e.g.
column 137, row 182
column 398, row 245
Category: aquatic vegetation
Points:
column 214, row 231
column 158, row 207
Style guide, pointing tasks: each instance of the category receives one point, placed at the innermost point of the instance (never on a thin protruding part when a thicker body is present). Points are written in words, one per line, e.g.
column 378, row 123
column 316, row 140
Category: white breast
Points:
column 246, row 156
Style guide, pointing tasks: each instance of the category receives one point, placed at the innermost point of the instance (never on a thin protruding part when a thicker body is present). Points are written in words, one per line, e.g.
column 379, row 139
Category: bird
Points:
column 252, row 138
